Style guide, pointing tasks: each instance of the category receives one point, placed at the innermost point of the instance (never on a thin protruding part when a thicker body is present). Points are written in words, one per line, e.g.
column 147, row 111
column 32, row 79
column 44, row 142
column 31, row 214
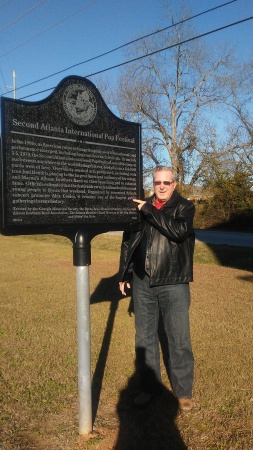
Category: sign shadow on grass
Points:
column 107, row 290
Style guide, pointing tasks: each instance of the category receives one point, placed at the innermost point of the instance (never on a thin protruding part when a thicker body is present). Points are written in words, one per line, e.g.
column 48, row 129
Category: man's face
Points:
column 163, row 191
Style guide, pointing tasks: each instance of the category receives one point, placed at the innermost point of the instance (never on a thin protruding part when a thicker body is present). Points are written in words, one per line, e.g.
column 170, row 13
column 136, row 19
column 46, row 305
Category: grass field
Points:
column 39, row 398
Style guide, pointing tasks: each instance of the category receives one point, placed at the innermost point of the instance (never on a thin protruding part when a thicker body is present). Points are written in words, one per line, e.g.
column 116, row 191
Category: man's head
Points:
column 164, row 181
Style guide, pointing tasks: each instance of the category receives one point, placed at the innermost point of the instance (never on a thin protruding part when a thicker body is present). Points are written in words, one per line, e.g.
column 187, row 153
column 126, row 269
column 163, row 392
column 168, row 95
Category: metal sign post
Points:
column 82, row 260
column 67, row 163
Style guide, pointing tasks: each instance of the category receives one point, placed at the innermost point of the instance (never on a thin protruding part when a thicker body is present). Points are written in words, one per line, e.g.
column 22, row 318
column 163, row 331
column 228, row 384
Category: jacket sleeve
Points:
column 123, row 275
column 176, row 225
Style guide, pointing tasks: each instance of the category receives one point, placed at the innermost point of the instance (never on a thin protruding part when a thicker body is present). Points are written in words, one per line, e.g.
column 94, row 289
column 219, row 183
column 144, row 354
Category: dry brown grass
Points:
column 39, row 354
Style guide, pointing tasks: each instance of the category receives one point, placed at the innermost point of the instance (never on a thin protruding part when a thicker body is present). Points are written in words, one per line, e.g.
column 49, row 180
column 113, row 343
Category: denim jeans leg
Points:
column 174, row 302
column 146, row 310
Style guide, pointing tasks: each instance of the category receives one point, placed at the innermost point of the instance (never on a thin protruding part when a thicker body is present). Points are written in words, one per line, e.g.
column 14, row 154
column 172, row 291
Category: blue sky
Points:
column 41, row 37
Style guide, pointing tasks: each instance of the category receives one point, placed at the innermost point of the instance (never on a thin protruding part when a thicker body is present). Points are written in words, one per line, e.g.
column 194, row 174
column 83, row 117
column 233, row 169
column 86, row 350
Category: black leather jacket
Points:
column 170, row 242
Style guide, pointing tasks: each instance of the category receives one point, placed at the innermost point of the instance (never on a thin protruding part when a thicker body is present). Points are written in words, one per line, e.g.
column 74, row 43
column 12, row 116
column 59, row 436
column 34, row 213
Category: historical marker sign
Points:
column 68, row 162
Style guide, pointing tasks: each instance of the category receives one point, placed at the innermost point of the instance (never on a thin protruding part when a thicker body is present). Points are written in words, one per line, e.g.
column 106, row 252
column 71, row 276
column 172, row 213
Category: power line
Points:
column 153, row 53
column 121, row 46
column 49, row 28
column 3, row 80
column 126, row 44
column 22, row 15
column 5, row 3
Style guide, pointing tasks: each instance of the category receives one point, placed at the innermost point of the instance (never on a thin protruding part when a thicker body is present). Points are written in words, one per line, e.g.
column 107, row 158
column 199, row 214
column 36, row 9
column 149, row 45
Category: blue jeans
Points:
column 173, row 301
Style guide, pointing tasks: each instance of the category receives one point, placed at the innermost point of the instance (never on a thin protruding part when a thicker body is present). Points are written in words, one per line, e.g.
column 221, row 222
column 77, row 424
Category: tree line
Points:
column 194, row 102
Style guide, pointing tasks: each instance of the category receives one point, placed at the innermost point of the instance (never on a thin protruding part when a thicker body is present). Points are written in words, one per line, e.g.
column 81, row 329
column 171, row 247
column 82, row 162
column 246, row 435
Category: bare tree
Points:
column 173, row 94
column 239, row 143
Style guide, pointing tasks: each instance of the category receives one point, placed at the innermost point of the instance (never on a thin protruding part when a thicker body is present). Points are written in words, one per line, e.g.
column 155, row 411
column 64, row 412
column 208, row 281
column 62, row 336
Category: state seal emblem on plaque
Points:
column 80, row 104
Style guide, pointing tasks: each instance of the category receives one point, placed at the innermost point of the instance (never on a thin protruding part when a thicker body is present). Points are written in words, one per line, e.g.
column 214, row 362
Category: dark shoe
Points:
column 143, row 398
column 185, row 404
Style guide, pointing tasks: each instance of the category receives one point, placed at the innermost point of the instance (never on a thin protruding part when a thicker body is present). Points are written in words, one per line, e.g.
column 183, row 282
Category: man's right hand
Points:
column 123, row 285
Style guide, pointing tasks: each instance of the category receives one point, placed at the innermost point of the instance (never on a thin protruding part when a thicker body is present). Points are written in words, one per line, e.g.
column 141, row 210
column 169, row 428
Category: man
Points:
column 158, row 259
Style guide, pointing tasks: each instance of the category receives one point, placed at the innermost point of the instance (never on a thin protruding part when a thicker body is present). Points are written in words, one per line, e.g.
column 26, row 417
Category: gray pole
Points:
column 84, row 360
column 82, row 261
column 14, row 84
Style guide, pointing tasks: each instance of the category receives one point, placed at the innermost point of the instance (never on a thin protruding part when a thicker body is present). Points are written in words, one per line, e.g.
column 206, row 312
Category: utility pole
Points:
column 14, row 84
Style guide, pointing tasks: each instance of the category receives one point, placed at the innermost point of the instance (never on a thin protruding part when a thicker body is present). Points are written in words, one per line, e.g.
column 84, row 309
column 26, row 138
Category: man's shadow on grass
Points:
column 151, row 426
column 148, row 428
